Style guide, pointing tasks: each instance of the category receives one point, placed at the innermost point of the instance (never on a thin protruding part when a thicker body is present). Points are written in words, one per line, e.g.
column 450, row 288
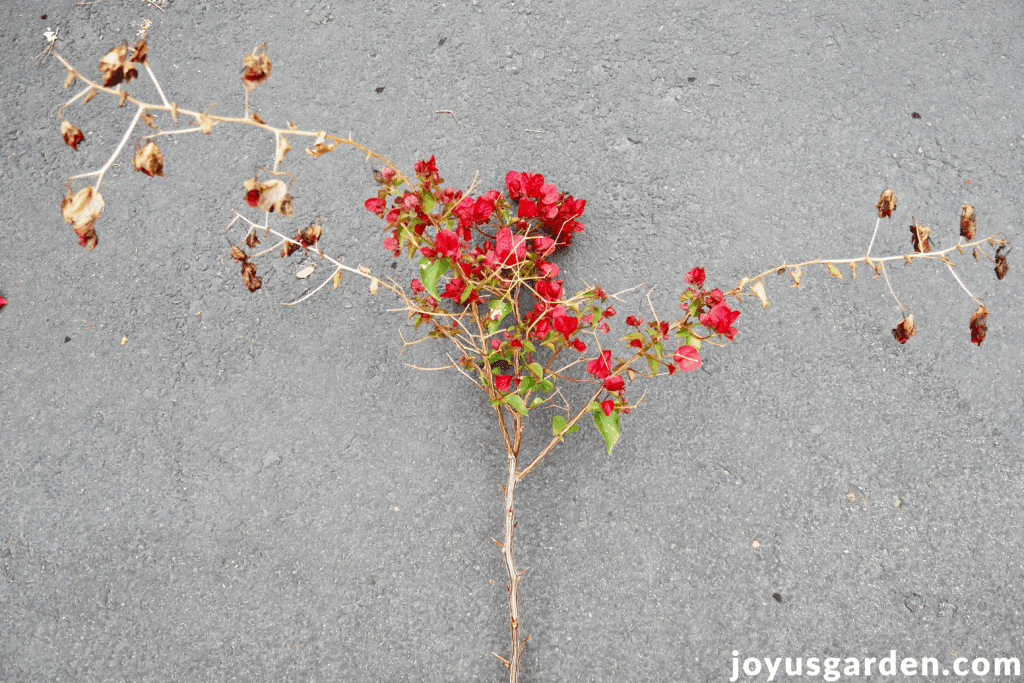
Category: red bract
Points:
column 687, row 358
column 714, row 297
column 426, row 168
column 566, row 325
column 551, row 290
column 391, row 244
column 615, row 383
column 446, row 243
column 634, row 321
column 609, row 312
column 417, row 287
column 601, row 366
column 719, row 319
column 608, row 406
column 373, row 205
column 502, row 382
column 579, row 345
column 510, row 249
column 604, row 328
column 544, row 245
column 695, row 277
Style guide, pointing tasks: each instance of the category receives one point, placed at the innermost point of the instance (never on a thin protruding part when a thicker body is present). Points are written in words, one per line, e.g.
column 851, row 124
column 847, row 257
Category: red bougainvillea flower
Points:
column 548, row 270
column 426, row 168
column 511, row 249
column 615, row 383
column 714, row 297
column 446, row 243
column 695, row 277
column 610, row 312
column 373, row 205
column 687, row 358
column 544, row 245
column 417, row 287
column 550, row 290
column 608, row 406
column 566, row 325
column 3, row 302
column 410, row 201
column 638, row 343
column 601, row 366
column 604, row 328
column 391, row 244
column 502, row 382
column 579, row 345
column 720, row 319
column 634, row 321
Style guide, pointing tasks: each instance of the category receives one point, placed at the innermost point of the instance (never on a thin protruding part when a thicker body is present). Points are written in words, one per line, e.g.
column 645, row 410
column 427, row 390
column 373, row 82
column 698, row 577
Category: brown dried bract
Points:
column 919, row 238
column 968, row 224
column 979, row 325
column 1002, row 266
column 257, row 67
column 269, row 196
column 905, row 330
column 116, row 66
column 140, row 53
column 148, row 159
column 887, row 204
column 305, row 238
column 72, row 134
column 251, row 240
column 249, row 277
column 82, row 209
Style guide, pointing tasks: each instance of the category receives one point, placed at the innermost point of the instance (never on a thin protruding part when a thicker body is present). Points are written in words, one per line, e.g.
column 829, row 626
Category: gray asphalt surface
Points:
column 247, row 491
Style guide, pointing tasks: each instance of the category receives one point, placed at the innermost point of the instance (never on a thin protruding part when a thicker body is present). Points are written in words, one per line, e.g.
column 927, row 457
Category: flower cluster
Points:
column 483, row 252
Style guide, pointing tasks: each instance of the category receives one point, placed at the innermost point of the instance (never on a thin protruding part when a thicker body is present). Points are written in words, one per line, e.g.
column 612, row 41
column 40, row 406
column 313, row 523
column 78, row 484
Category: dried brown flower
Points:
column 979, row 325
column 905, row 330
column 72, row 134
column 1002, row 266
column 116, row 66
column 887, row 204
column 257, row 67
column 968, row 224
column 149, row 160
column 919, row 238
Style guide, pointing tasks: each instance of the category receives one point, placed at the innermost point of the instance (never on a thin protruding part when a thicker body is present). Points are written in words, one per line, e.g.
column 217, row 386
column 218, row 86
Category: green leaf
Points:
column 430, row 272
column 494, row 321
column 536, row 402
column 608, row 426
column 635, row 335
column 516, row 402
column 694, row 306
column 558, row 425
column 653, row 360
column 536, row 369
column 428, row 202
column 547, row 385
column 528, row 345
column 466, row 293
column 527, row 384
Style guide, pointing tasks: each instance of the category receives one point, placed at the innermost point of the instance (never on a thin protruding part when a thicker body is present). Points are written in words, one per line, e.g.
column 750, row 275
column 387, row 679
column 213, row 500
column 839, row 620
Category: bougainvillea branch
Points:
column 486, row 281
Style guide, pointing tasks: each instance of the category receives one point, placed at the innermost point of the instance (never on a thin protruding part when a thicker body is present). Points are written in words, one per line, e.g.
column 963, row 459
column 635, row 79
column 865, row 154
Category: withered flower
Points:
column 305, row 238
column 979, row 325
column 1002, row 266
column 116, row 66
column 249, row 277
column 919, row 238
column 257, row 67
column 887, row 204
column 905, row 330
column 72, row 134
column 269, row 196
column 968, row 223
column 148, row 159
column 82, row 209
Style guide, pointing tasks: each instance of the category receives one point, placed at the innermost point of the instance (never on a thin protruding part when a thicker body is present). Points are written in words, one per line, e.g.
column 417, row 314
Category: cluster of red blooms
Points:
column 719, row 317
column 439, row 224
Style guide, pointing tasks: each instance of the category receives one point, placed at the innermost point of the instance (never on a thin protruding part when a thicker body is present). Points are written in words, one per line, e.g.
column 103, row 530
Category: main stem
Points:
column 513, row 574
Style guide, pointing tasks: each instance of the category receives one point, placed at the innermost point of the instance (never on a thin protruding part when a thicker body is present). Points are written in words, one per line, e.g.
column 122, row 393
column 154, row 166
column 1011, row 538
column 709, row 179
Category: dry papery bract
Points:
column 484, row 284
